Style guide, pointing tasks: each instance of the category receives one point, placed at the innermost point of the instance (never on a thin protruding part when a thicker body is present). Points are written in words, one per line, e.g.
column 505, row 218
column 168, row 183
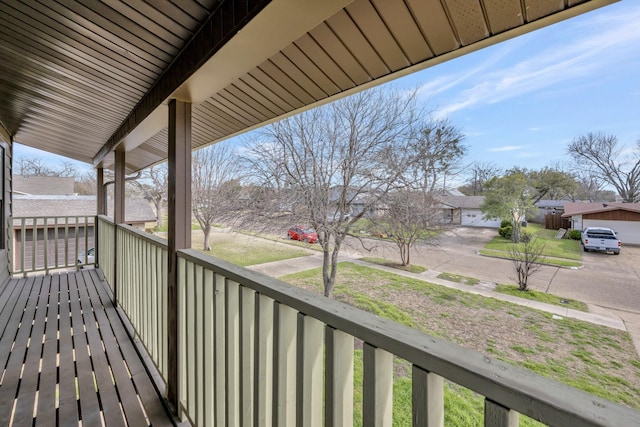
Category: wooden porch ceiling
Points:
column 66, row 358
column 81, row 79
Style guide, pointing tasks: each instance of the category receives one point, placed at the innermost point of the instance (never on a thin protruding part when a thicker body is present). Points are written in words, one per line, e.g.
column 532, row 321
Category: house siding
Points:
column 617, row 215
column 6, row 206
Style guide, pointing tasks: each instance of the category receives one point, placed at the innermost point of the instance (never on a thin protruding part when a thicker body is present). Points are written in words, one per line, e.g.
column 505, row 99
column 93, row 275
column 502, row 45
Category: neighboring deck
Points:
column 66, row 358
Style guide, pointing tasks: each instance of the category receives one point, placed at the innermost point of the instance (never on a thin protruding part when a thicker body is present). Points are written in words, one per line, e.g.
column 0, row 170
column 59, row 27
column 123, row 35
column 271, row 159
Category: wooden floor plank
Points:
column 156, row 411
column 23, row 414
column 67, row 316
column 128, row 394
column 46, row 410
column 89, row 407
column 68, row 414
column 17, row 349
column 104, row 381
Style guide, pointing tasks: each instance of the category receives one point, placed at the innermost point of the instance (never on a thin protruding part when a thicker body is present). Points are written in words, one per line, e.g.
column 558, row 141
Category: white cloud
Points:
column 577, row 50
column 507, row 148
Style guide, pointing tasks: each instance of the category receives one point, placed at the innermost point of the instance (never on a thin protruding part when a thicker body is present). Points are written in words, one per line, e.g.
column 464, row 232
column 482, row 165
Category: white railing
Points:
column 256, row 351
column 106, row 248
column 142, row 289
column 51, row 242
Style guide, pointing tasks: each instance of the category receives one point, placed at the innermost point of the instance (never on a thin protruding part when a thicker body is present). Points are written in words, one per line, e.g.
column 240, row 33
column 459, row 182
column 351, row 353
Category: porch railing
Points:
column 256, row 351
column 51, row 242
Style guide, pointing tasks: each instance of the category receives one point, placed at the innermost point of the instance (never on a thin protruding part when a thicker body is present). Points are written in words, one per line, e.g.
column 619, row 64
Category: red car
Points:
column 303, row 234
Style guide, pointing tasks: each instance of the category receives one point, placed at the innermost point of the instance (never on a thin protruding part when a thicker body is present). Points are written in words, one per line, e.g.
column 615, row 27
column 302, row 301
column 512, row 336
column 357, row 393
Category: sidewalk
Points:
column 596, row 315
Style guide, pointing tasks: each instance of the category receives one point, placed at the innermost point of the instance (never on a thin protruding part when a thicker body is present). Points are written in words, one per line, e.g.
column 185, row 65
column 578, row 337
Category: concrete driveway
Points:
column 608, row 281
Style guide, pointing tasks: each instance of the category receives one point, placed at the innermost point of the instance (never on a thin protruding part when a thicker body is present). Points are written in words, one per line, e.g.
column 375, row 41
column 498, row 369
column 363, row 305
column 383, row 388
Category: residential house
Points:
column 465, row 211
column 624, row 218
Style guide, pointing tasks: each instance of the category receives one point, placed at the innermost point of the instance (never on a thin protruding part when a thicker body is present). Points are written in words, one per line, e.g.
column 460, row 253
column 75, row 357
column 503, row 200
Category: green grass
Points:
column 381, row 261
column 542, row 297
column 562, row 252
column 599, row 360
column 471, row 281
column 245, row 250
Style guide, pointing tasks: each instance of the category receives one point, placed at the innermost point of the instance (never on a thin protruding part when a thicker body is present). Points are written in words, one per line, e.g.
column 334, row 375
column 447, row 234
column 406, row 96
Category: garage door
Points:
column 628, row 231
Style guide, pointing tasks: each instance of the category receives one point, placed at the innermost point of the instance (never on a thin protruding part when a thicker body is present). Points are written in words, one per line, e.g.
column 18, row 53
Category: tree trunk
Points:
column 207, row 232
column 158, row 204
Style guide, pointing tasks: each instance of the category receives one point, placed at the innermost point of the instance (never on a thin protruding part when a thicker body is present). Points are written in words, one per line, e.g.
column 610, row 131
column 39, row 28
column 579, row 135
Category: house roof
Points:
column 136, row 210
column 43, row 185
column 462, row 202
column 571, row 209
column 82, row 79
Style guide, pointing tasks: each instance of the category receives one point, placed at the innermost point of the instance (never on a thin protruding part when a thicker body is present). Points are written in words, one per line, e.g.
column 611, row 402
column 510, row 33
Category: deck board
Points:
column 67, row 358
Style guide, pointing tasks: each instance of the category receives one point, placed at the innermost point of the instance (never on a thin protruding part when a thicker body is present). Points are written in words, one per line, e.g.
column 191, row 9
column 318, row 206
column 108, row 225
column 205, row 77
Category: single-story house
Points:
column 68, row 219
column 623, row 218
column 465, row 211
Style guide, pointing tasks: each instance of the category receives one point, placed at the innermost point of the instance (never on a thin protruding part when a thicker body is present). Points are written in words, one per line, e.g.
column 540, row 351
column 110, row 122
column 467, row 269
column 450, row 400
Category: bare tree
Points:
column 36, row 166
column 441, row 148
column 154, row 185
column 346, row 154
column 526, row 257
column 603, row 156
column 478, row 173
column 214, row 186
column 409, row 217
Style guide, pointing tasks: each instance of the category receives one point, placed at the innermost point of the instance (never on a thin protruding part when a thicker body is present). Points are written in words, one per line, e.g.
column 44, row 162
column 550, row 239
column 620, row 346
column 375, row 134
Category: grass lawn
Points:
column 542, row 297
column 381, row 261
column 594, row 358
column 566, row 252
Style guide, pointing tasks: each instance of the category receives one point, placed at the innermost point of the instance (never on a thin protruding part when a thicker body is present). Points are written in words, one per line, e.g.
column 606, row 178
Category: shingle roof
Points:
column 136, row 210
column 571, row 208
column 463, row 202
column 43, row 185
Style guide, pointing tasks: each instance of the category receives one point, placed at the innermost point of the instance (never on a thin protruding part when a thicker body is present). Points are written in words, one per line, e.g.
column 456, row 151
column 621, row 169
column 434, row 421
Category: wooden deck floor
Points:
column 66, row 358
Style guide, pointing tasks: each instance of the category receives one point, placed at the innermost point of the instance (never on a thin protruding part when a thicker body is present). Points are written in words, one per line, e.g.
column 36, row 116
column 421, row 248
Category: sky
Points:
column 521, row 102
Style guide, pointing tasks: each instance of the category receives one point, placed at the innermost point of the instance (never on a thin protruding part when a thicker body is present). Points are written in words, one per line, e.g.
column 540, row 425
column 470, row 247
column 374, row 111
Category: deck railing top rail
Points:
column 510, row 386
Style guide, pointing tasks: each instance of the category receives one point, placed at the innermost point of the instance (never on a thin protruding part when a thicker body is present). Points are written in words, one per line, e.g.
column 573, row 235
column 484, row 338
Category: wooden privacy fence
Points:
column 556, row 222
column 256, row 351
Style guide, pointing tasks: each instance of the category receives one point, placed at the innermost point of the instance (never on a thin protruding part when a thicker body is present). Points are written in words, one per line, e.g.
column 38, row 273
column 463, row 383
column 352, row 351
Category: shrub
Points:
column 506, row 231
column 504, row 223
column 525, row 237
column 574, row 234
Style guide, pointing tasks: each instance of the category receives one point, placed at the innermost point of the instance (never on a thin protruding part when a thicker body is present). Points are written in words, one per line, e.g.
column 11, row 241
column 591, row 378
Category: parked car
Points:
column 600, row 239
column 90, row 257
column 303, row 234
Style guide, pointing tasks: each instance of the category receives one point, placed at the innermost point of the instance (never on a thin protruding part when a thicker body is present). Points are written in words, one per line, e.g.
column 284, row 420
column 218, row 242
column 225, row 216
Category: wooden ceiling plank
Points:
column 274, row 87
column 339, row 54
column 260, row 97
column 503, row 15
column 537, row 9
column 69, row 49
column 434, row 24
column 248, row 104
column 351, row 36
column 322, row 60
column 404, row 29
column 375, row 30
column 296, row 74
column 468, row 20
column 310, row 69
column 302, row 97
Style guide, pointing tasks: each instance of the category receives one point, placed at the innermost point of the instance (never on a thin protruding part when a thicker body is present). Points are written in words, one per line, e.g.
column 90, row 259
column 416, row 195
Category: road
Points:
column 608, row 281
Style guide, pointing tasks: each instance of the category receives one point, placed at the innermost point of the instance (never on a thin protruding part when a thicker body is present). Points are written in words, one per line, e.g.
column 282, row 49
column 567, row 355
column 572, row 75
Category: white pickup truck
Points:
column 600, row 239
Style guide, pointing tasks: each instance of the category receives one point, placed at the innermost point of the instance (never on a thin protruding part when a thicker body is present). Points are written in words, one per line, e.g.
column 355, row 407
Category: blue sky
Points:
column 521, row 102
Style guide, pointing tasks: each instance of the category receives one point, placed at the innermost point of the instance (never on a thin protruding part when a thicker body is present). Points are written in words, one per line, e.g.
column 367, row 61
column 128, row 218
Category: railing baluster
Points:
column 263, row 377
column 220, row 375
column 428, row 398
column 377, row 406
column 232, row 310
column 209, row 348
column 496, row 415
column 339, row 378
column 198, row 349
column 284, row 387
column 247, row 328
column 309, row 371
